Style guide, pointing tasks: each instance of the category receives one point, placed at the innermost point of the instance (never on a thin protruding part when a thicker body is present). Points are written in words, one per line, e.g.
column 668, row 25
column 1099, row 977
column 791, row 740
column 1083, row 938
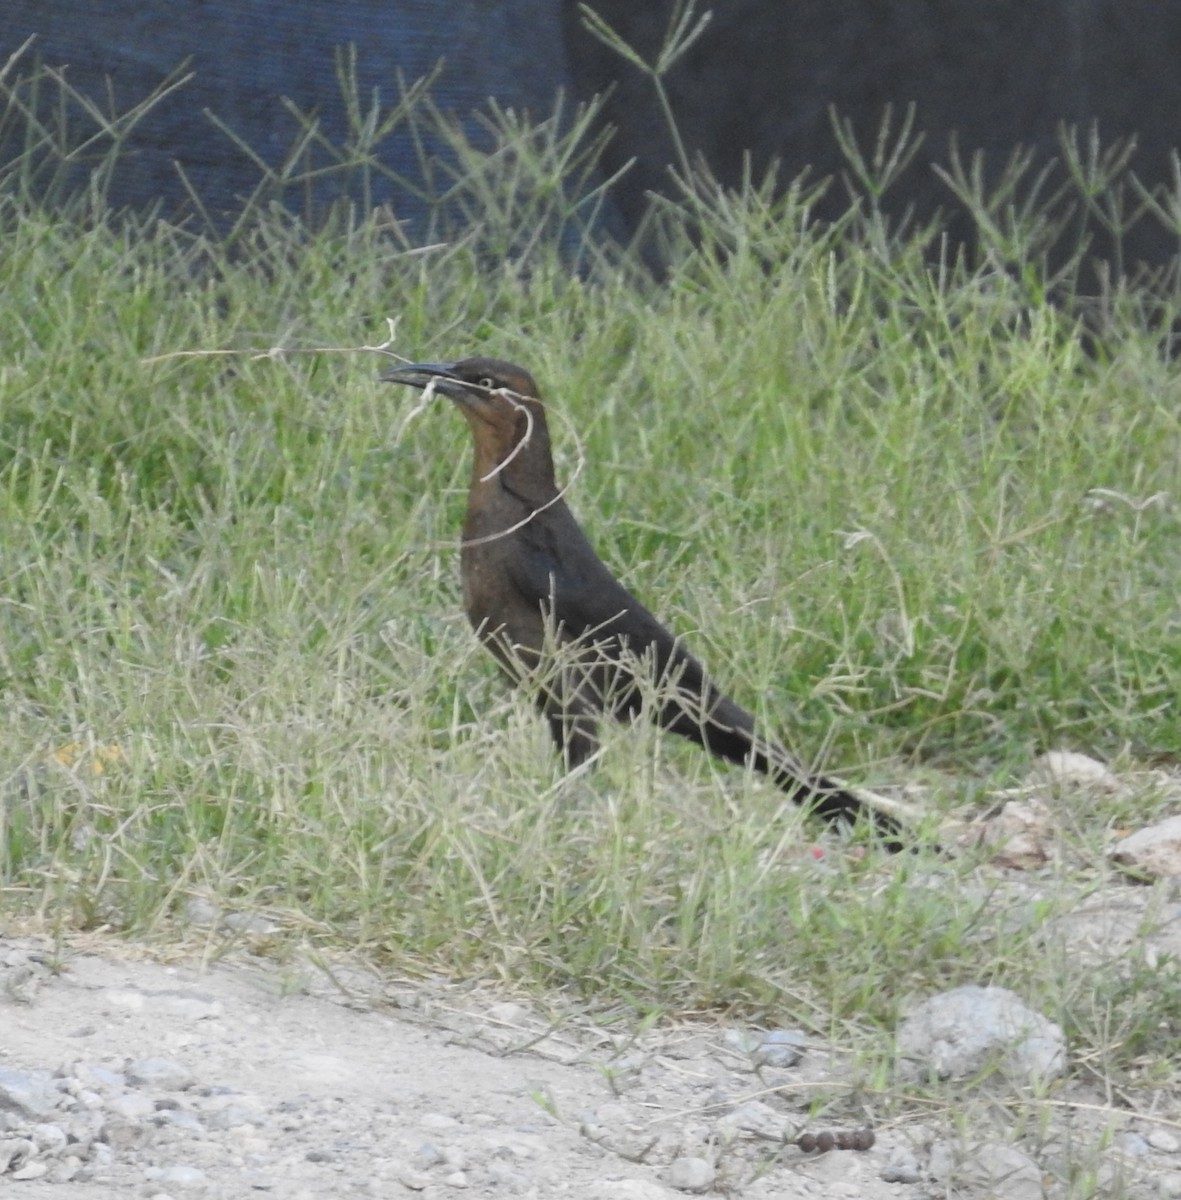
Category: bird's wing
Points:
column 555, row 566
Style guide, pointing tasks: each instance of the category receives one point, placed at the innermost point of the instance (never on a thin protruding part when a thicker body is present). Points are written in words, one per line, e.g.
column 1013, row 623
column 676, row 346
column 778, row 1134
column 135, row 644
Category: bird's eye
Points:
column 487, row 382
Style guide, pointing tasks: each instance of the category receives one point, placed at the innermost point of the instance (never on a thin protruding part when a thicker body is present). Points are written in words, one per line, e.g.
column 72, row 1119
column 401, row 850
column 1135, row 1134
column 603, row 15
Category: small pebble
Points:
column 1164, row 1141
column 903, row 1167
column 182, row 1177
column 65, row 1169
column 163, row 1073
column 690, row 1174
column 1168, row 1186
column 508, row 1013
column 941, row 1161
column 30, row 1093
column 438, row 1121
column 780, row 1048
column 131, row 1105
column 31, row 1170
column 426, row 1156
column 756, row 1118
column 13, row 1152
column 234, row 1116
column 253, row 924
column 743, row 1041
column 199, row 911
column 416, row 1181
column 118, row 1133
column 179, row 1118
column 49, row 1139
column 1130, row 1143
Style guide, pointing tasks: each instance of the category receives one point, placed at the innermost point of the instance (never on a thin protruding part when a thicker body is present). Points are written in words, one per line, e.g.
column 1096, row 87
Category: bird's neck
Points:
column 506, row 488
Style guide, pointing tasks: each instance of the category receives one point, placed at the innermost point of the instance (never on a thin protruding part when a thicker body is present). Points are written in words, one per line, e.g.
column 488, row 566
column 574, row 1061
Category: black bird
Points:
column 559, row 622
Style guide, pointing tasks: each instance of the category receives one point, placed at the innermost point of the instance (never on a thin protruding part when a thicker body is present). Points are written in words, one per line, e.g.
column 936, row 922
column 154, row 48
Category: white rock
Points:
column 31, row 1170
column 1163, row 1140
column 1002, row 1170
column 1154, row 850
column 1066, row 769
column 131, row 1105
column 50, row 1139
column 903, row 1167
column 1020, row 835
column 1169, row 1186
column 14, row 1152
column 185, row 1179
column 508, row 1013
column 31, row 1093
column 437, row 1121
column 958, row 1034
column 691, row 1174
column 756, row 1118
column 164, row 1073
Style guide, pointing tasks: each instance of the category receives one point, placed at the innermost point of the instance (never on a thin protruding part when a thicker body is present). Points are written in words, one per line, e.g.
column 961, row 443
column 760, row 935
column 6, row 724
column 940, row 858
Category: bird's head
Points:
column 502, row 406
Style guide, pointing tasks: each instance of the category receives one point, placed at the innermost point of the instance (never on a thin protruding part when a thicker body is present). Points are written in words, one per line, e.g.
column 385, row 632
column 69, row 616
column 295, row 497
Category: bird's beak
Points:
column 421, row 374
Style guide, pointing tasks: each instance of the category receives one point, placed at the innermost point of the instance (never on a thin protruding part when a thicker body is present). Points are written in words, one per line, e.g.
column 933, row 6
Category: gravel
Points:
column 125, row 1077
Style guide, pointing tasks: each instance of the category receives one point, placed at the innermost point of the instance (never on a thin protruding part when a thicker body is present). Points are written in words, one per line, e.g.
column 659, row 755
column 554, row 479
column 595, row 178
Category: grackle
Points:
column 557, row 620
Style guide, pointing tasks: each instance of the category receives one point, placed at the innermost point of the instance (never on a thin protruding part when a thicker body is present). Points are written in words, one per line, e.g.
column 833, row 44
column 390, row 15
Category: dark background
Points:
column 993, row 73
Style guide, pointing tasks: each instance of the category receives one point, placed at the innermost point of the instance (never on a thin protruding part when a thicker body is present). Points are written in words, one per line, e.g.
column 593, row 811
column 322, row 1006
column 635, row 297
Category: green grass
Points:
column 911, row 513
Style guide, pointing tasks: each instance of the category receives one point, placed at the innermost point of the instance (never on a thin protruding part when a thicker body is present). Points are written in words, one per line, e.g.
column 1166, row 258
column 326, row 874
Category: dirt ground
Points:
column 250, row 1077
column 339, row 1086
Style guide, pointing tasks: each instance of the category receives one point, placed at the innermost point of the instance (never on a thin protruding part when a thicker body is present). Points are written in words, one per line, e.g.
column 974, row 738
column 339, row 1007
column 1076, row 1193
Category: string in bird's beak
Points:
column 514, row 398
column 440, row 377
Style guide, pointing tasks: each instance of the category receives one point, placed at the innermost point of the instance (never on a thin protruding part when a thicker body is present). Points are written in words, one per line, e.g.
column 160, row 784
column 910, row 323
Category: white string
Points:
column 515, row 399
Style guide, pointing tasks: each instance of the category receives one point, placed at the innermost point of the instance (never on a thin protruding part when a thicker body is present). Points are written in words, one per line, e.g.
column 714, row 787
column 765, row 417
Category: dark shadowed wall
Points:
column 993, row 73
column 246, row 54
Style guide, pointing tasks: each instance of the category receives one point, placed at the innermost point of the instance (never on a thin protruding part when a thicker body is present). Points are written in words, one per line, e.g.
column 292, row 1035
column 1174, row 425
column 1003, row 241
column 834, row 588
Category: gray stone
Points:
column 961, row 1033
column 780, row 1048
column 941, row 1161
column 49, row 1139
column 122, row 1134
column 233, row 1116
column 438, row 1121
column 1003, row 1170
column 131, row 1105
column 14, row 1152
column 101, row 1155
column 163, row 1073
column 691, row 1174
column 200, row 911
column 426, row 1156
column 756, row 1118
column 1169, row 1186
column 31, row 1093
column 65, row 1169
column 179, row 1118
column 183, row 1178
column 742, row 1041
column 416, row 1181
column 251, row 924
column 1163, row 1140
column 97, row 1076
column 1154, row 850
column 903, row 1167
column 508, row 1013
